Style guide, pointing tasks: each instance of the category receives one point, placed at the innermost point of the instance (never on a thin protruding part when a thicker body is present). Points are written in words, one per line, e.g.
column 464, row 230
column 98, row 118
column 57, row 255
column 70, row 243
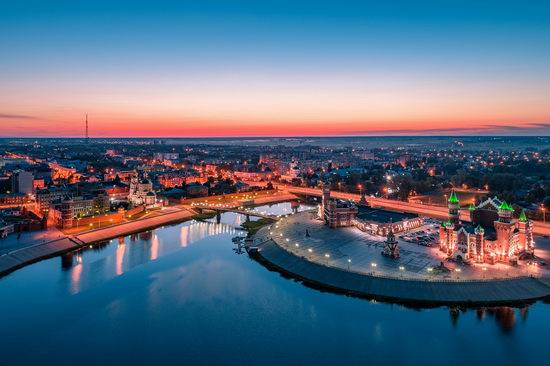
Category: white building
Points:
column 141, row 192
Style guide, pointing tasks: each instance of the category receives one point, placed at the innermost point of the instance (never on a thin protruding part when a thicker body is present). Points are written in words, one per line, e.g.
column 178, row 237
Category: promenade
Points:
column 346, row 260
column 134, row 226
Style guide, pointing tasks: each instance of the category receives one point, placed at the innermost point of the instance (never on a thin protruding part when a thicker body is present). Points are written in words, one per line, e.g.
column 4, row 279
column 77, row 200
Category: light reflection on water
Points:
column 181, row 295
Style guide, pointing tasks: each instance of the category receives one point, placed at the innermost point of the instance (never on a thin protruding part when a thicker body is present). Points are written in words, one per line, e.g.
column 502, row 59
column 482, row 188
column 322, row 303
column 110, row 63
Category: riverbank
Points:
column 16, row 259
column 13, row 260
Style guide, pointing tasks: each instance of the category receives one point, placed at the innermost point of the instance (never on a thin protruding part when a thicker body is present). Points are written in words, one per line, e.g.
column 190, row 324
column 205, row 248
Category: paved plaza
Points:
column 354, row 250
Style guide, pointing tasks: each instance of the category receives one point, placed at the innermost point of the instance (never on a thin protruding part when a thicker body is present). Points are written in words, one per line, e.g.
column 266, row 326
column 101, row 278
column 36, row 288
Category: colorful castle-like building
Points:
column 492, row 236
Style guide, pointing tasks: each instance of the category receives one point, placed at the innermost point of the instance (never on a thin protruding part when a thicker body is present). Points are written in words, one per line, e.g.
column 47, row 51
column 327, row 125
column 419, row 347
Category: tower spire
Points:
column 87, row 135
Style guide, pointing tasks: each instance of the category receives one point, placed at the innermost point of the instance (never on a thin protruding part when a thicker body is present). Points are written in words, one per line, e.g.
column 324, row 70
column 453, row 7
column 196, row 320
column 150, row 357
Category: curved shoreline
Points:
column 20, row 258
column 407, row 291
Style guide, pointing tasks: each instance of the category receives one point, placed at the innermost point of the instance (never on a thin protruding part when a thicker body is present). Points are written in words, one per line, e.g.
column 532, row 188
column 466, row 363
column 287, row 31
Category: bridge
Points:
column 235, row 209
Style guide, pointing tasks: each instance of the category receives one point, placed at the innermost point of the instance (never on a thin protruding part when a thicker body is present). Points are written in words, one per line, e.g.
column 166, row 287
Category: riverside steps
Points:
column 11, row 261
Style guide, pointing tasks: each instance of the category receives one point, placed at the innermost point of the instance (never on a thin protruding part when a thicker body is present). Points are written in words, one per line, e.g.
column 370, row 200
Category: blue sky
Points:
column 238, row 66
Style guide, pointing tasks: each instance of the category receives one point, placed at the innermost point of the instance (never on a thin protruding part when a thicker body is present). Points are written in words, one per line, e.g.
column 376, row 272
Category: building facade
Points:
column 141, row 192
column 492, row 236
column 336, row 213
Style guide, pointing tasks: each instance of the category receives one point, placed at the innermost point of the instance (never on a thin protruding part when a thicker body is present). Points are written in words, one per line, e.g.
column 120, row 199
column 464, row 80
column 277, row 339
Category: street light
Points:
column 349, row 263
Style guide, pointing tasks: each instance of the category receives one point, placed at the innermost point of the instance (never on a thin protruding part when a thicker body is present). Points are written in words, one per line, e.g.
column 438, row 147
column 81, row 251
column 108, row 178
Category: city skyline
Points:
column 212, row 69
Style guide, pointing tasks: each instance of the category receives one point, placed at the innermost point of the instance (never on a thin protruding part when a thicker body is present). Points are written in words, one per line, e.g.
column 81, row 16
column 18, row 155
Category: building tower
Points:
column 504, row 228
column 67, row 213
column 325, row 201
column 454, row 209
column 525, row 229
column 479, row 243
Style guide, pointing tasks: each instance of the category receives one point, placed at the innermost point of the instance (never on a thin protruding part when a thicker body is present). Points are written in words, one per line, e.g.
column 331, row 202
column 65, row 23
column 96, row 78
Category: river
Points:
column 184, row 294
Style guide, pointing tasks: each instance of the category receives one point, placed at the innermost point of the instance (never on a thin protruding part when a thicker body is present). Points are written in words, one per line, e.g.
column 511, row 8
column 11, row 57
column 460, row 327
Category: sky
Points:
column 274, row 68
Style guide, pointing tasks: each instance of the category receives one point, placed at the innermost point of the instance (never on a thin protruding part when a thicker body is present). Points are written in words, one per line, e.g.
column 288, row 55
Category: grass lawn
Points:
column 253, row 226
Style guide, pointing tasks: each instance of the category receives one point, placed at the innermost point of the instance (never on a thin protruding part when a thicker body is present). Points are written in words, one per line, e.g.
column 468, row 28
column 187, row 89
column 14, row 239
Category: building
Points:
column 380, row 222
column 22, row 182
column 141, row 192
column 492, row 236
column 12, row 199
column 45, row 197
column 67, row 210
column 178, row 179
column 336, row 213
column 196, row 190
column 339, row 213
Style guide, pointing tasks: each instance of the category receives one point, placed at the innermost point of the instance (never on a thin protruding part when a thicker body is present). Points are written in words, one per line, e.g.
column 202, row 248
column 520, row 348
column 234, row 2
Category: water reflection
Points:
column 150, row 246
column 504, row 316
column 142, row 248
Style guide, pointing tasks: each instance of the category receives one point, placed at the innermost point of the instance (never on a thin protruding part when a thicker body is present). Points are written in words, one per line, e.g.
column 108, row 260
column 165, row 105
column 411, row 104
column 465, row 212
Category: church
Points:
column 492, row 236
column 141, row 192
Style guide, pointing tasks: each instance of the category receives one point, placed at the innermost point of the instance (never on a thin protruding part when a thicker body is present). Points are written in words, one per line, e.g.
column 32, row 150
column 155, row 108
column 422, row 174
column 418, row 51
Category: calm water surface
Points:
column 182, row 295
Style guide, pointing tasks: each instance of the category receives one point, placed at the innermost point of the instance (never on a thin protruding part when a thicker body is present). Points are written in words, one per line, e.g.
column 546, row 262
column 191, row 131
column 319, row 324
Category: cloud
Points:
column 16, row 116
column 534, row 128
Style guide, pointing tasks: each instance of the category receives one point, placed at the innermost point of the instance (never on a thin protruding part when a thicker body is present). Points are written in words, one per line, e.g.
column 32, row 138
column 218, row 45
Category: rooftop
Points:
column 383, row 216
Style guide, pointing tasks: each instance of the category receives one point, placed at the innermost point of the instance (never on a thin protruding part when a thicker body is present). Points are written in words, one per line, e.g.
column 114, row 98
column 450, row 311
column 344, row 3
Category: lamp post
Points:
column 543, row 209
column 349, row 263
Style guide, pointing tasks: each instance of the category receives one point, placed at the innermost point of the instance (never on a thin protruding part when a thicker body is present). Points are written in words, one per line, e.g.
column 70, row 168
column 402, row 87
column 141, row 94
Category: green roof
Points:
column 453, row 198
column 505, row 207
column 522, row 216
column 472, row 207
